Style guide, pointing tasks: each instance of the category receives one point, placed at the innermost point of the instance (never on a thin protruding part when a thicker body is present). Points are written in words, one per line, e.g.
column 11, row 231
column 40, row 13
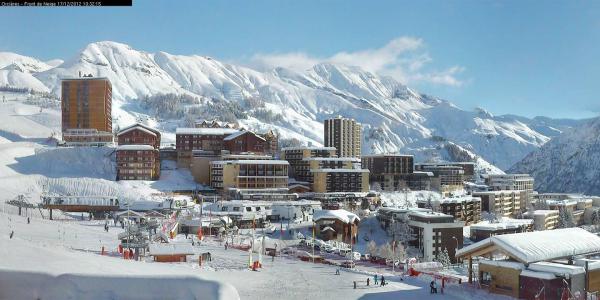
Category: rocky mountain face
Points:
column 166, row 91
column 569, row 162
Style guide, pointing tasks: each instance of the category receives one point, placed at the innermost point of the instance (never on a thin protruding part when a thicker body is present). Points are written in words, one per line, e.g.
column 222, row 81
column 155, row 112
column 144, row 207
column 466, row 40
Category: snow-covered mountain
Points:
column 567, row 163
column 395, row 118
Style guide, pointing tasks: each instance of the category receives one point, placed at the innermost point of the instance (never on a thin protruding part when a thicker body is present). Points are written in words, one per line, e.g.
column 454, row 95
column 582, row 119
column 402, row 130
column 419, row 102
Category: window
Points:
column 236, row 208
column 486, row 278
column 248, row 208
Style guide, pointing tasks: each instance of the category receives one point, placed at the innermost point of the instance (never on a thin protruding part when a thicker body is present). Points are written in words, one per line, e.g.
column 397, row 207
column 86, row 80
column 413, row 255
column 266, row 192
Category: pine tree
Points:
column 372, row 248
column 565, row 219
column 444, row 258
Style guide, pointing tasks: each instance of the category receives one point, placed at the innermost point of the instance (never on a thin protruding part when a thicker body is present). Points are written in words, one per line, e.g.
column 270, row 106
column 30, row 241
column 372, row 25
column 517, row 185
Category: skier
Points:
column 12, row 233
column 375, row 278
column 28, row 221
column 337, row 271
column 368, row 281
column 382, row 280
column 354, row 284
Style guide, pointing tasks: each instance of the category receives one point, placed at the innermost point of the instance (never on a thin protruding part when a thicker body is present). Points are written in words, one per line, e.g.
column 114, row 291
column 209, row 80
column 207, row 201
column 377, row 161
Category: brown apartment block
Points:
column 296, row 155
column 395, row 172
column 138, row 156
column 464, row 208
column 248, row 174
column 344, row 134
column 86, row 111
column 137, row 162
column 340, row 180
column 245, row 141
column 190, row 139
column 446, row 178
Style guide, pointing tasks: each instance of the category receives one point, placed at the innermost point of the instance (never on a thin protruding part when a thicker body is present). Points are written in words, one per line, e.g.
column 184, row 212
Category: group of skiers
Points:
column 376, row 279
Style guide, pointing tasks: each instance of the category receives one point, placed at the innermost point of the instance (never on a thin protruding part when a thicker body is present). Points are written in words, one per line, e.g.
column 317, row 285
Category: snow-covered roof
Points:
column 498, row 192
column 328, row 228
column 504, row 223
column 503, row 263
column 239, row 133
column 206, row 131
column 340, row 170
column 134, row 147
column 307, row 148
column 427, row 214
column 139, row 127
column 539, row 275
column 171, row 249
column 556, row 268
column 529, row 247
column 544, row 212
column 353, row 159
column 252, row 162
column 459, row 199
column 564, row 202
column 340, row 214
column 387, row 155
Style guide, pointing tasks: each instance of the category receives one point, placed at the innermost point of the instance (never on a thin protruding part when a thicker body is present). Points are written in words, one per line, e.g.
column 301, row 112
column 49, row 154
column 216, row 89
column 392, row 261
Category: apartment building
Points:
column 201, row 159
column 190, row 139
column 248, row 174
column 543, row 219
column 296, row 155
column 446, row 178
column 468, row 168
column 86, row 111
column 245, row 141
column 394, row 172
column 138, row 156
column 522, row 182
column 137, row 162
column 343, row 134
column 502, row 203
column 433, row 232
column 340, row 180
column 463, row 208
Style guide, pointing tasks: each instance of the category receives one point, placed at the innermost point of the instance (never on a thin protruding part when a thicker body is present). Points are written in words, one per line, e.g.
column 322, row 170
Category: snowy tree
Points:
column 444, row 258
column 401, row 231
column 565, row 219
column 372, row 248
column 399, row 252
column 385, row 251
column 376, row 186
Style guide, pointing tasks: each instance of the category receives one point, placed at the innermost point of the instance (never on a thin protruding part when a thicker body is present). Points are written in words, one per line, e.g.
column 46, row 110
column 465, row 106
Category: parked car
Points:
column 332, row 249
column 388, row 262
column 365, row 257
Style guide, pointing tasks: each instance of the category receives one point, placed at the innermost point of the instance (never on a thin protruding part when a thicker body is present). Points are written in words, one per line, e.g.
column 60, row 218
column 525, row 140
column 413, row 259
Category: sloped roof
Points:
column 530, row 247
column 139, row 126
column 340, row 214
column 240, row 133
column 206, row 131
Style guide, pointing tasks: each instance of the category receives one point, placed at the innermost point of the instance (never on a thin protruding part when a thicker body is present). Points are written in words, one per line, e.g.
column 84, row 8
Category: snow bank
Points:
column 30, row 285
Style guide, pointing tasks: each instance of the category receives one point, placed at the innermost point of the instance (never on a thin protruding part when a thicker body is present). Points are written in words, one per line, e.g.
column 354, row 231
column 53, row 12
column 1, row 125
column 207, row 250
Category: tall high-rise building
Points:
column 86, row 111
column 344, row 134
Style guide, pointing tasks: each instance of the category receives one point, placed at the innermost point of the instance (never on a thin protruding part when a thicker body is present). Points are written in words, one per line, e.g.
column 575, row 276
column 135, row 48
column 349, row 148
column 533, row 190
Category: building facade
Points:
column 249, row 174
column 502, row 203
column 446, row 178
column 139, row 134
column 343, row 134
column 340, row 180
column 86, row 106
column 522, row 182
column 395, row 172
column 190, row 139
column 245, row 141
column 137, row 162
column 465, row 208
column 296, row 155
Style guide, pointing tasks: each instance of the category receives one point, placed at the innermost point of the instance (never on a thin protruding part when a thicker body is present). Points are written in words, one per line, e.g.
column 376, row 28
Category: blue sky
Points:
column 521, row 57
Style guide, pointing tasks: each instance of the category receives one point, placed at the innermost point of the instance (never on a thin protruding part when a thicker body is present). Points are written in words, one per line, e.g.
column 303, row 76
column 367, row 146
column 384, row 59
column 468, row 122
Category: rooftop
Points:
column 240, row 133
column 307, row 148
column 340, row 170
column 206, row 131
column 530, row 247
column 134, row 147
column 340, row 214
column 252, row 162
column 139, row 126
column 354, row 159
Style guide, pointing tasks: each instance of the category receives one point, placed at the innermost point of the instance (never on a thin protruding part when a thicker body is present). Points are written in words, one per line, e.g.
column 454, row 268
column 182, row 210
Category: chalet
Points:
column 339, row 224
column 139, row 134
column 245, row 141
column 541, row 264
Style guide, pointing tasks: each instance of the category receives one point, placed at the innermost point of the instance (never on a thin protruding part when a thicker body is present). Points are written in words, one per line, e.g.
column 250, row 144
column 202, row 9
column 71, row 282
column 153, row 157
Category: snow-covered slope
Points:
column 568, row 163
column 395, row 118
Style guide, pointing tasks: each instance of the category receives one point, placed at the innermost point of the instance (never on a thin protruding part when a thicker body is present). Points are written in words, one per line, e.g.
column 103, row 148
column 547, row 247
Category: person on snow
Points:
column 337, row 271
column 354, row 284
column 375, row 278
column 382, row 280
column 28, row 221
column 368, row 281
column 12, row 233
column 226, row 244
column 433, row 287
